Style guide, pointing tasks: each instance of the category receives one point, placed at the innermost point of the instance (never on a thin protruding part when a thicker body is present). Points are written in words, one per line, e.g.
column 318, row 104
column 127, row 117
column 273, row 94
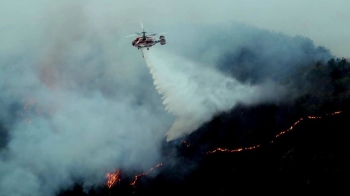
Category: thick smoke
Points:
column 77, row 100
column 204, row 74
column 194, row 93
column 72, row 108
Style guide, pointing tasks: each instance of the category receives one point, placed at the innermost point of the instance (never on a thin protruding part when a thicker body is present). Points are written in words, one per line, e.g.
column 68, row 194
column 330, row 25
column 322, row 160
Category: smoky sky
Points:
column 77, row 100
column 195, row 92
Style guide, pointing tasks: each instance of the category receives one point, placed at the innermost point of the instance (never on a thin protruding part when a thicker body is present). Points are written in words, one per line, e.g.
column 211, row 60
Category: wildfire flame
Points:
column 113, row 178
column 234, row 150
column 292, row 127
column 143, row 174
column 271, row 142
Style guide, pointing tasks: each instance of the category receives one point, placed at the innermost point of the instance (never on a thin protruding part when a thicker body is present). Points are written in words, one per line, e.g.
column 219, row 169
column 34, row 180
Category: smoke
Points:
column 194, row 93
column 72, row 108
column 77, row 99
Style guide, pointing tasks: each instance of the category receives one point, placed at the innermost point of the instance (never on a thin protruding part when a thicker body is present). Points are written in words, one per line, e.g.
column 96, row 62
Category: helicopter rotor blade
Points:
column 162, row 33
column 131, row 35
column 157, row 34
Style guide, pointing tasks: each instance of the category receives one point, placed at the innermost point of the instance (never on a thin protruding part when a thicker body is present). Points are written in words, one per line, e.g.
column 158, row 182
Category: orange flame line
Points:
column 271, row 142
column 144, row 174
column 113, row 178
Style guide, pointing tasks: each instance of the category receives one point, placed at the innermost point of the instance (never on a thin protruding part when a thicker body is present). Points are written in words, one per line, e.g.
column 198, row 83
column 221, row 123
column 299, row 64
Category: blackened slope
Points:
column 314, row 156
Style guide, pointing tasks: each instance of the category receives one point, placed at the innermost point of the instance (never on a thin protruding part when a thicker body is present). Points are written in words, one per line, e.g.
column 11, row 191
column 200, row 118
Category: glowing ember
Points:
column 113, row 178
column 143, row 174
column 271, row 142
column 234, row 150
column 185, row 142
column 292, row 127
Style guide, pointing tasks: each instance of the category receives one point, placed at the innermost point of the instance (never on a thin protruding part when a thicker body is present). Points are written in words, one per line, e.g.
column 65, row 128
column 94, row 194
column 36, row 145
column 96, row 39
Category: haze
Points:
column 323, row 21
column 77, row 100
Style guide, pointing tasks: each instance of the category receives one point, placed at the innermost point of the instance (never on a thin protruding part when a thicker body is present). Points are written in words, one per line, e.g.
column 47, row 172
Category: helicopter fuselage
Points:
column 145, row 42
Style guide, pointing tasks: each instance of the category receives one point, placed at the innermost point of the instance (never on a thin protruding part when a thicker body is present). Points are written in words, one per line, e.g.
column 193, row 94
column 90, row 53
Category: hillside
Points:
column 311, row 155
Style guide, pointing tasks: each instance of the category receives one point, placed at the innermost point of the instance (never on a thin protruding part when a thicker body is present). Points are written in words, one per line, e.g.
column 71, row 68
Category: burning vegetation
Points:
column 294, row 161
column 293, row 145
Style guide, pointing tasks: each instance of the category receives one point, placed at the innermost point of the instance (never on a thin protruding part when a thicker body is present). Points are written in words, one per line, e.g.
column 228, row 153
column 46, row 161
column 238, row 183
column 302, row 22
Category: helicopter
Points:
column 147, row 41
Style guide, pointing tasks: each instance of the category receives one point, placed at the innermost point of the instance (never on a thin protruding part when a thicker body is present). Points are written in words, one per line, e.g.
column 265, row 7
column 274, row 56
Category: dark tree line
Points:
column 327, row 88
column 311, row 158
